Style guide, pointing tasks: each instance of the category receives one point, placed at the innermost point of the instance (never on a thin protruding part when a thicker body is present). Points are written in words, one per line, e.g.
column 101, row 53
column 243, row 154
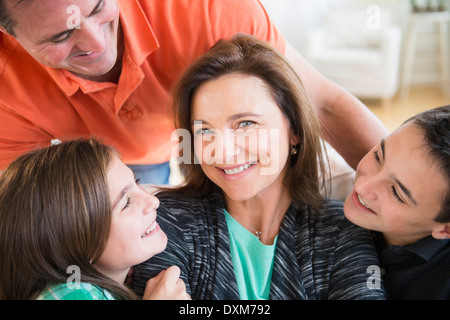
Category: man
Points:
column 104, row 68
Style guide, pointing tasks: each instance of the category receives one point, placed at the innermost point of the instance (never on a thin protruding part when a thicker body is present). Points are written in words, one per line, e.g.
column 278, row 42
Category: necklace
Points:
column 257, row 232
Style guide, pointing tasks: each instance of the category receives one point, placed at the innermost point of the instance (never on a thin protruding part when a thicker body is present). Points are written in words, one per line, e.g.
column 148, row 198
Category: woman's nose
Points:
column 226, row 148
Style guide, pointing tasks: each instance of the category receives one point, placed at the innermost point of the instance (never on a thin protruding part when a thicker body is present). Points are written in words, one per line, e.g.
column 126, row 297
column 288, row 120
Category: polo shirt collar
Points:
column 140, row 41
column 427, row 247
column 64, row 79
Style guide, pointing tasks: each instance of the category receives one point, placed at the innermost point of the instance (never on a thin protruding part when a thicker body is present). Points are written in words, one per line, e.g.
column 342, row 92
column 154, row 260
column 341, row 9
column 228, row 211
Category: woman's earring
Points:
column 294, row 150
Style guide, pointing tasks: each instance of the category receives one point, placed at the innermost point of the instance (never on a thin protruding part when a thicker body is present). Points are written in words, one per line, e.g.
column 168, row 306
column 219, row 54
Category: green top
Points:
column 252, row 261
column 81, row 291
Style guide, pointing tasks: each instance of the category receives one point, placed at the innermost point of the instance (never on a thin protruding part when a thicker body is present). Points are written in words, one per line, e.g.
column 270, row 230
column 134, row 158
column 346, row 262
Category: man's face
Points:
column 77, row 35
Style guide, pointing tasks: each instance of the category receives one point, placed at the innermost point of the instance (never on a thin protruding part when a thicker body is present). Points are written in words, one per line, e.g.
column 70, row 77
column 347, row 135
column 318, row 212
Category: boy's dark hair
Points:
column 435, row 124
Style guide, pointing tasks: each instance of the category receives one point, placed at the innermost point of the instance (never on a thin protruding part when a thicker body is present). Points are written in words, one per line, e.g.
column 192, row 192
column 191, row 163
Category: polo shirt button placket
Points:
column 126, row 115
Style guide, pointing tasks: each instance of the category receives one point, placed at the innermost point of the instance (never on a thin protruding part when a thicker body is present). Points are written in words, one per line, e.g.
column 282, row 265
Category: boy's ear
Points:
column 441, row 232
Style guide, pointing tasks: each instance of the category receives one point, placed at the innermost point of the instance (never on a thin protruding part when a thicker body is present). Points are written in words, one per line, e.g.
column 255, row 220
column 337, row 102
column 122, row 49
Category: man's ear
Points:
column 442, row 231
column 3, row 30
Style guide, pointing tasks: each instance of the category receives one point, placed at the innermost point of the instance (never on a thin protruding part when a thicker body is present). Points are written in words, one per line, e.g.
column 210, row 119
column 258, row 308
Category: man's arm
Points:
column 349, row 126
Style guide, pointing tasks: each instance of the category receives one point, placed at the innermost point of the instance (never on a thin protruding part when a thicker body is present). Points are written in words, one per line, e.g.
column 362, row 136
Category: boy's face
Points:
column 398, row 188
column 77, row 35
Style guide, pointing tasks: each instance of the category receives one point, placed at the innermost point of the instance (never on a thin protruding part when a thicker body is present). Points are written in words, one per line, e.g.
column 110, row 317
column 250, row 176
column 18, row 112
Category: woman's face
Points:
column 241, row 137
column 398, row 188
column 135, row 236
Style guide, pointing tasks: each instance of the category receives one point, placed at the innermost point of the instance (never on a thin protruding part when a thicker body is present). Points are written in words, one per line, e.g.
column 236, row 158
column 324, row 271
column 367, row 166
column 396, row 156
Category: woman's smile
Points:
column 237, row 172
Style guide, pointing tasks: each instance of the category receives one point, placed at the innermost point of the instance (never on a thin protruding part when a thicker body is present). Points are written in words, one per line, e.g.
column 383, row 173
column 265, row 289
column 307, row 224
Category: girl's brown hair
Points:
column 55, row 212
column 245, row 54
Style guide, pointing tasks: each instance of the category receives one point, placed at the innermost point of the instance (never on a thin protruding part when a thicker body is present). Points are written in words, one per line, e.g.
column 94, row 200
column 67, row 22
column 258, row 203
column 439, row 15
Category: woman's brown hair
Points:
column 244, row 54
column 55, row 212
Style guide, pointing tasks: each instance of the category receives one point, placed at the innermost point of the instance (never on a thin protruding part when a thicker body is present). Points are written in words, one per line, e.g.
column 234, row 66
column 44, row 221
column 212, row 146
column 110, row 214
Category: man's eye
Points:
column 98, row 8
column 63, row 38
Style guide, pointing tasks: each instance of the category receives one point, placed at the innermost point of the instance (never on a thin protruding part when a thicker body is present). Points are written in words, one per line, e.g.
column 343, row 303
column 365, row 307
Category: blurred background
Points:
column 392, row 54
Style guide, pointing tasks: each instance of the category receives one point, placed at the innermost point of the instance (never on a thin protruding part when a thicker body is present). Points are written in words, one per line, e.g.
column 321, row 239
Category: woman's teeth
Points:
column 149, row 229
column 238, row 169
column 86, row 53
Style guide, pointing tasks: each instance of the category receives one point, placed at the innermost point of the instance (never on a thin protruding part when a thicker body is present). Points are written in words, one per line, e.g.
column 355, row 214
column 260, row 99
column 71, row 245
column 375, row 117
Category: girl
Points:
column 73, row 221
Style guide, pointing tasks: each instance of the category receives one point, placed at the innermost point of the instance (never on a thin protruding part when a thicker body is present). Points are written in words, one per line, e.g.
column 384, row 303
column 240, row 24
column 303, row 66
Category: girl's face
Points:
column 135, row 236
column 241, row 137
column 398, row 189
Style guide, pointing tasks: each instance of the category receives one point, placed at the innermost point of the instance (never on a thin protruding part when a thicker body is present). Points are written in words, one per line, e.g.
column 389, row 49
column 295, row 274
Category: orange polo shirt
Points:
column 162, row 37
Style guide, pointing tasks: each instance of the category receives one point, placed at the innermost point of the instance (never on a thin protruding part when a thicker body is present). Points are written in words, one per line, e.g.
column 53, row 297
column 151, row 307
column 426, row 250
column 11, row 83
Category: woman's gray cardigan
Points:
column 318, row 255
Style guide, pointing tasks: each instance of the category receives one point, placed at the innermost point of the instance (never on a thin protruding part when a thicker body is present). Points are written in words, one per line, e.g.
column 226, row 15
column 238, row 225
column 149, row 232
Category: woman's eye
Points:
column 244, row 124
column 202, row 131
column 207, row 131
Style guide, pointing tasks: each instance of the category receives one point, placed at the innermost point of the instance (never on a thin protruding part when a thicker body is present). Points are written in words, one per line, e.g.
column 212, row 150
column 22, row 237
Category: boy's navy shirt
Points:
column 418, row 271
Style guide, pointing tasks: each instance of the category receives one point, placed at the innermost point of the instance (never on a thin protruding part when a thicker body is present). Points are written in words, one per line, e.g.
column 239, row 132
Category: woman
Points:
column 72, row 223
column 402, row 191
column 250, row 221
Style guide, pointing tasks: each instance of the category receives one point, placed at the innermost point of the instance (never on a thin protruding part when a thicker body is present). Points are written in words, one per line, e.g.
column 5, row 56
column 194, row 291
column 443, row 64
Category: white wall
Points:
column 294, row 18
